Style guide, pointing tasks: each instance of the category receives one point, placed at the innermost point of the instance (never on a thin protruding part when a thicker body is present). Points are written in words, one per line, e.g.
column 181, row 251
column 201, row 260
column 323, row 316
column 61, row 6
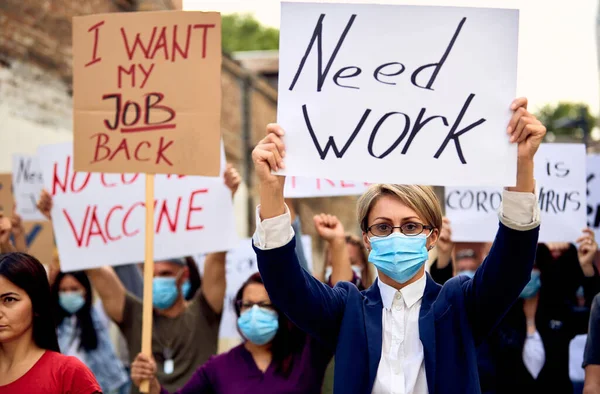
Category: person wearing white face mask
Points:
column 275, row 357
column 83, row 331
column 405, row 334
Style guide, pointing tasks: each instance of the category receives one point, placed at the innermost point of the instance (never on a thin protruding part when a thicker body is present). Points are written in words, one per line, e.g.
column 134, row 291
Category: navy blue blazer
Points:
column 453, row 320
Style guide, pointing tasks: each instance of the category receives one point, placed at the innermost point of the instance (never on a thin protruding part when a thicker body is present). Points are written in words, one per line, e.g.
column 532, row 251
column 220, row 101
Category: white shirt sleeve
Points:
column 519, row 211
column 273, row 233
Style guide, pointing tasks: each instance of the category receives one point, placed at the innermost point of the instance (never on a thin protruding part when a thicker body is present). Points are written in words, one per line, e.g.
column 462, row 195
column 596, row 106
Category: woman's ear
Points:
column 433, row 238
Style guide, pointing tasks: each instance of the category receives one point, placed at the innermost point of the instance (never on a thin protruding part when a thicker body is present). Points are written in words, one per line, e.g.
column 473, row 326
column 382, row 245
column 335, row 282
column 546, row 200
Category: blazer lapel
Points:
column 427, row 330
column 373, row 326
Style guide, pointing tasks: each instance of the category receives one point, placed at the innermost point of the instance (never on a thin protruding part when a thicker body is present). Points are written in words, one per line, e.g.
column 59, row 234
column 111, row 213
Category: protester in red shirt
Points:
column 30, row 361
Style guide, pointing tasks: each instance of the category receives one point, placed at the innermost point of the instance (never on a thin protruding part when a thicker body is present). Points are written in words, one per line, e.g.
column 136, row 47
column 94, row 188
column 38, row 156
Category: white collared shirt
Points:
column 402, row 364
column 518, row 211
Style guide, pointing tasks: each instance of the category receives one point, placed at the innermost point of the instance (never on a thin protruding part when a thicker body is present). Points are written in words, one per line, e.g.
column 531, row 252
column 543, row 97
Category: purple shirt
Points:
column 235, row 372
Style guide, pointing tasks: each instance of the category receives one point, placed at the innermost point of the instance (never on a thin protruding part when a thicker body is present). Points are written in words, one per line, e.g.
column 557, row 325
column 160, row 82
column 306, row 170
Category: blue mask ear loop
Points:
column 427, row 237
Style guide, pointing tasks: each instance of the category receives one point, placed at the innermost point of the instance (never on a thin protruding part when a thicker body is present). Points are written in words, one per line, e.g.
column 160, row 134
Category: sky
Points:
column 557, row 42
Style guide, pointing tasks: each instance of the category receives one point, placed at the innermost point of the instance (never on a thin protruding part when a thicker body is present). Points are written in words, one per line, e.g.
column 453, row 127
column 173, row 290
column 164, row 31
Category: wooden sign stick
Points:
column 148, row 276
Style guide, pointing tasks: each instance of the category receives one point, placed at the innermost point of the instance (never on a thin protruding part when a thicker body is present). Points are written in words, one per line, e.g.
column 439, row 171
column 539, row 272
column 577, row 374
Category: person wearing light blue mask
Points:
column 184, row 332
column 274, row 356
column 398, row 329
column 171, row 283
column 82, row 331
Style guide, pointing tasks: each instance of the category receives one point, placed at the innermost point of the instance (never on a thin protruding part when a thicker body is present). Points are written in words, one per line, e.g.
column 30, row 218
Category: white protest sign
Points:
column 240, row 265
column 99, row 219
column 560, row 174
column 398, row 94
column 27, row 185
column 593, row 192
column 302, row 187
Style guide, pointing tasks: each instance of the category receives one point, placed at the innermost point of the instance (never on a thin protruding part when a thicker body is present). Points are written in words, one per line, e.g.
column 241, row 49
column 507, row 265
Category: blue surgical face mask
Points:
column 468, row 273
column 259, row 325
column 533, row 286
column 186, row 287
column 164, row 292
column 399, row 256
column 71, row 301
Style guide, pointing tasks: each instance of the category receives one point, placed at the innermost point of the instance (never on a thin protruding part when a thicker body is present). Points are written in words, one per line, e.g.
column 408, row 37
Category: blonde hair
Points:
column 420, row 199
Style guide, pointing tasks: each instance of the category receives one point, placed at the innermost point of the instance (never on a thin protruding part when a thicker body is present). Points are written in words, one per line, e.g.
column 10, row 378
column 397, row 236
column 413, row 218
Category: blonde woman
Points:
column 405, row 334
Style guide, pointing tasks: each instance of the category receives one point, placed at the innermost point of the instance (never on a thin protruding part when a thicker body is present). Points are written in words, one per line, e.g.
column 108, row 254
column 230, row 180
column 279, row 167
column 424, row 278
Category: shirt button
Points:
column 397, row 307
column 398, row 296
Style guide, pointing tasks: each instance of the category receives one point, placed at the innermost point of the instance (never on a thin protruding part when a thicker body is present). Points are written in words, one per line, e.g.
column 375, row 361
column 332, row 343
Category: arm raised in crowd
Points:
column 332, row 231
column 507, row 268
column 5, row 229
column 18, row 232
column 311, row 305
column 586, row 252
column 111, row 291
column 213, row 282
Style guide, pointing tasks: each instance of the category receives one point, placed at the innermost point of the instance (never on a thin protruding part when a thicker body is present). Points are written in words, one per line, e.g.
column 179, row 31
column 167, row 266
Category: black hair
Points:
column 88, row 336
column 28, row 273
column 288, row 340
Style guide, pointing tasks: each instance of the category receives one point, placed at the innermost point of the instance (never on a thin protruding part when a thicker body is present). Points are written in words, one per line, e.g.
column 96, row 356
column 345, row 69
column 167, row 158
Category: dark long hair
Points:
column 89, row 339
column 288, row 341
column 28, row 273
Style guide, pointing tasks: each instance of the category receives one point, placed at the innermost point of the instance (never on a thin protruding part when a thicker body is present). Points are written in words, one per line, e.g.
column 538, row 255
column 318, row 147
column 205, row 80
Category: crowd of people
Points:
column 506, row 317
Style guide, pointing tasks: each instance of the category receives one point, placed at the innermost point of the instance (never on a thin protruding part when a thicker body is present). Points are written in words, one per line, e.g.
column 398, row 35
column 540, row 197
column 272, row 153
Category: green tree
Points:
column 555, row 118
column 242, row 32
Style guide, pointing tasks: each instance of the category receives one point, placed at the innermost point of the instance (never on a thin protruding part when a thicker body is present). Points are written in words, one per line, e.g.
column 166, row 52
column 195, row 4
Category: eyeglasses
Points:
column 410, row 229
column 248, row 305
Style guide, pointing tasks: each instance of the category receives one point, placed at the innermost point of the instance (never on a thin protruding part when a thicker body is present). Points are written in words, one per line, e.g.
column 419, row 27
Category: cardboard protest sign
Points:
column 6, row 196
column 99, row 219
column 147, row 91
column 560, row 173
column 386, row 93
column 593, row 192
column 241, row 263
column 27, row 186
column 39, row 239
column 302, row 187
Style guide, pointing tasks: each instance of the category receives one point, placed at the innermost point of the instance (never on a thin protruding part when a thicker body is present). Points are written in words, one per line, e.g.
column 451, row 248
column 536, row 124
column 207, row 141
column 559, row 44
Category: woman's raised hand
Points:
column 268, row 156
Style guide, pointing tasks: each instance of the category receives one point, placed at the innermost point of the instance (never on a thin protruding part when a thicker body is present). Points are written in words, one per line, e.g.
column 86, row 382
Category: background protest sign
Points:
column 560, row 174
column 147, row 91
column 302, row 187
column 39, row 238
column 593, row 192
column 385, row 93
column 6, row 196
column 99, row 219
column 241, row 263
column 27, row 185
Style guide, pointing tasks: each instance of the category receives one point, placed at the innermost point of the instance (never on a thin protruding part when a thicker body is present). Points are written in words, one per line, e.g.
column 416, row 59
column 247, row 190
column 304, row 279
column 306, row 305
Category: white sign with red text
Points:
column 302, row 187
column 99, row 219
